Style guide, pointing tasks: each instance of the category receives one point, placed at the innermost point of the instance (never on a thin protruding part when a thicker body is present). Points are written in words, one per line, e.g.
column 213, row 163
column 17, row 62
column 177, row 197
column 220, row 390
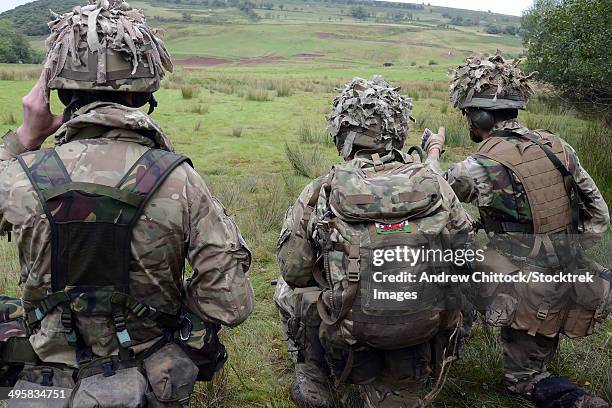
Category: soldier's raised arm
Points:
column 219, row 289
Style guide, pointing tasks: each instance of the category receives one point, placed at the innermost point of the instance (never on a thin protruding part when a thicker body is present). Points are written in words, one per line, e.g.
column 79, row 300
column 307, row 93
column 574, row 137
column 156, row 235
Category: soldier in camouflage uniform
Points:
column 369, row 123
column 104, row 222
column 526, row 185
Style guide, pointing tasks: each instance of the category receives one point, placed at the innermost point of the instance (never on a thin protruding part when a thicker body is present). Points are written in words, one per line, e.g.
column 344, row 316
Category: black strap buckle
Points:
column 47, row 377
column 108, row 369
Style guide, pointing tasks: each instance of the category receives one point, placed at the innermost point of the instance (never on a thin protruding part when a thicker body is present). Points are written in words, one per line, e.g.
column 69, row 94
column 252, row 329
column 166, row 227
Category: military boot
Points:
column 308, row 393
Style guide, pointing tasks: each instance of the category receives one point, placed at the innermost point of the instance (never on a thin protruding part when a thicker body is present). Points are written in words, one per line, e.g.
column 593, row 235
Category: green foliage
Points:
column 32, row 18
column 568, row 43
column 14, row 47
column 359, row 13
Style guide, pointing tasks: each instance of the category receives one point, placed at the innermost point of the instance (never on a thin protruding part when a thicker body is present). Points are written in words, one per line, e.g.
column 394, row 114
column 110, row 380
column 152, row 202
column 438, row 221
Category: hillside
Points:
column 331, row 33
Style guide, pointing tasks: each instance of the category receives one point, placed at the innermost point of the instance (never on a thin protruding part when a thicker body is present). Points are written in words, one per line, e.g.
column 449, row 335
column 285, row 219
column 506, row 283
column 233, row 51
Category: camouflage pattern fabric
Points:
column 116, row 122
column 10, row 309
column 489, row 83
column 370, row 114
column 15, row 328
column 104, row 46
column 182, row 220
column 297, row 260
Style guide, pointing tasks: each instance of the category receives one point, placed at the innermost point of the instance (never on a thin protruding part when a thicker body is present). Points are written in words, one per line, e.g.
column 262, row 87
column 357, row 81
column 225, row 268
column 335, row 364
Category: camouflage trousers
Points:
column 386, row 378
column 525, row 359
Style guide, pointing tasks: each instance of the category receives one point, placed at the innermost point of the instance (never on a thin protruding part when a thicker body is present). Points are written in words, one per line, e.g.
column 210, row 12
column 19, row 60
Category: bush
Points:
column 188, row 92
column 306, row 162
column 432, row 62
column 283, row 89
column 568, row 43
column 200, row 109
column 312, row 133
column 237, row 131
column 257, row 94
column 14, row 47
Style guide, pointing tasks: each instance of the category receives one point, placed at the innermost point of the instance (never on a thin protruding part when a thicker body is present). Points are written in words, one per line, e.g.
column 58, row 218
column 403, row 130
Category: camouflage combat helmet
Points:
column 369, row 114
column 104, row 46
column 489, row 83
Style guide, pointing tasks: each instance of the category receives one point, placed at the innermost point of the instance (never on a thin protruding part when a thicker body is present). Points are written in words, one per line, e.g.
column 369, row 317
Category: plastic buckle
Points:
column 542, row 313
column 186, row 328
column 108, row 369
column 353, row 270
column 47, row 377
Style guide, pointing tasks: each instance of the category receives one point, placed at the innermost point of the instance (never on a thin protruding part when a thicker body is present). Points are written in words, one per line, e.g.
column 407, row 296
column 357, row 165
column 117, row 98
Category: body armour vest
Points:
column 542, row 201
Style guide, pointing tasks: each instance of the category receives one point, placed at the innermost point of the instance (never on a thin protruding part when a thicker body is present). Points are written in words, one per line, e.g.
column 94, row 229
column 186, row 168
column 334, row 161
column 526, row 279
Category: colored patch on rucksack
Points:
column 394, row 228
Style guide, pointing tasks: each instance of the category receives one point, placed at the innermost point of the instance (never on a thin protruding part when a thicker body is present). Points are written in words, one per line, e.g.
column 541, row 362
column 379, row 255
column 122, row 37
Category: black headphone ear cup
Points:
column 481, row 119
column 65, row 96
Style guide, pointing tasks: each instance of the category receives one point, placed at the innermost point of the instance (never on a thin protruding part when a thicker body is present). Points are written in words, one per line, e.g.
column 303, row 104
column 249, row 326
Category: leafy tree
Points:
column 32, row 18
column 359, row 13
column 568, row 43
column 14, row 47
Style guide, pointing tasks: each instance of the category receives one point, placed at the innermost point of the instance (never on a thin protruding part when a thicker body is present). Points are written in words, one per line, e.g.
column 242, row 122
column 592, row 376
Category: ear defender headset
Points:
column 479, row 119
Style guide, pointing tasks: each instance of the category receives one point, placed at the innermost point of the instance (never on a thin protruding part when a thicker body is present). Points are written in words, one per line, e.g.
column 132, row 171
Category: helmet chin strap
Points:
column 152, row 104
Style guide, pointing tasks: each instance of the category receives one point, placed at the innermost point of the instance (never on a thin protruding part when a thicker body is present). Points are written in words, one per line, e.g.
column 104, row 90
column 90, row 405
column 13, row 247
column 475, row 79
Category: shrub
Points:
column 257, row 94
column 306, row 162
column 284, row 89
column 432, row 62
column 200, row 109
column 188, row 92
column 237, row 131
column 312, row 133
column 568, row 43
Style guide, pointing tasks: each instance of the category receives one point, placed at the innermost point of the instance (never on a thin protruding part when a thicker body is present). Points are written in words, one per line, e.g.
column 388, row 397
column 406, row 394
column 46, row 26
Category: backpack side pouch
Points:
column 29, row 392
column 172, row 375
column 126, row 388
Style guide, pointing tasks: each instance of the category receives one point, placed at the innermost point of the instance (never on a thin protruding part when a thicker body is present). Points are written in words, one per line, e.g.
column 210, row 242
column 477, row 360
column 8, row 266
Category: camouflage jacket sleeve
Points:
column 460, row 220
column 219, row 289
column 594, row 212
column 295, row 255
column 468, row 179
column 9, row 150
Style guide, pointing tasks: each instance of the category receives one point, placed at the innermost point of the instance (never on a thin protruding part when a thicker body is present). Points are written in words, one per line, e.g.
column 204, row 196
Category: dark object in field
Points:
column 387, row 64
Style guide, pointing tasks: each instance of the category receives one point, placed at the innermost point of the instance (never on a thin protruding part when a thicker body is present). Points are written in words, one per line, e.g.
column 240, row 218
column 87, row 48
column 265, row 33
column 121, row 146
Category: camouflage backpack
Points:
column 365, row 207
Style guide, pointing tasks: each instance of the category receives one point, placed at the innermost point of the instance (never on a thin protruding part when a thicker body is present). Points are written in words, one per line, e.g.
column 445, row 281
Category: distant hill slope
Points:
column 32, row 18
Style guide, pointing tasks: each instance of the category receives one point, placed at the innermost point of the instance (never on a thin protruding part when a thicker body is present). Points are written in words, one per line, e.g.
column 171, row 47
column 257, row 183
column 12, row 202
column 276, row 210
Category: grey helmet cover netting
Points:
column 490, row 83
column 105, row 24
column 373, row 108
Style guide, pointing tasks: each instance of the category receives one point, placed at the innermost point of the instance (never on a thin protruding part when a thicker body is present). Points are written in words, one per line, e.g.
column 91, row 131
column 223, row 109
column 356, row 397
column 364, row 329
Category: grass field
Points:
column 254, row 126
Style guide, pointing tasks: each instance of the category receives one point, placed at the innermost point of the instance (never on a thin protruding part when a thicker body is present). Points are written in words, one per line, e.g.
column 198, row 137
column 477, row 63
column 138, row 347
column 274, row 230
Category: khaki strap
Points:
column 358, row 199
column 378, row 164
column 349, row 296
column 348, row 367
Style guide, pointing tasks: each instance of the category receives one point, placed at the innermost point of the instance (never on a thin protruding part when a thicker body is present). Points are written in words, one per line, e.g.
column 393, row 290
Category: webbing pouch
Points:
column 126, row 387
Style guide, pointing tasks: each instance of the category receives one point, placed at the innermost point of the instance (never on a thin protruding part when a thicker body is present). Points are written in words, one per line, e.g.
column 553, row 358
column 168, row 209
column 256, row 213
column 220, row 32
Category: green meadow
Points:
column 248, row 103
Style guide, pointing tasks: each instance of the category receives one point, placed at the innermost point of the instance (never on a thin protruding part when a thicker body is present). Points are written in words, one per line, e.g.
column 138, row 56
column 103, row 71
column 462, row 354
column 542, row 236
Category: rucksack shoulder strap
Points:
column 46, row 171
column 149, row 172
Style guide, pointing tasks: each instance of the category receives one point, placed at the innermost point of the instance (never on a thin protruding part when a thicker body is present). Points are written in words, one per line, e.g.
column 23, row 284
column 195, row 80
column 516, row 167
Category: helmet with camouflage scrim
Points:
column 104, row 46
column 369, row 114
column 489, row 83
